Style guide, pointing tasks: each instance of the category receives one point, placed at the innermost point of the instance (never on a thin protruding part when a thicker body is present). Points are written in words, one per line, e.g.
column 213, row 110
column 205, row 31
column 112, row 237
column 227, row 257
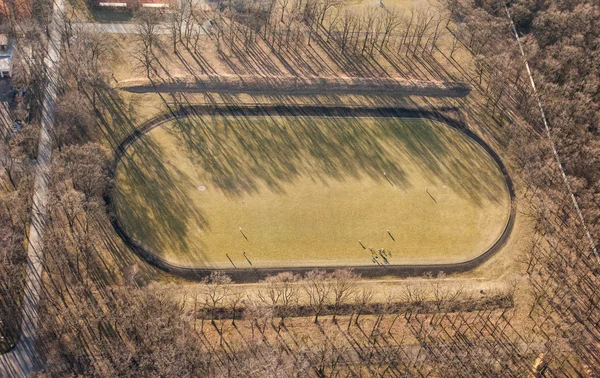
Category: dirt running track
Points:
column 250, row 275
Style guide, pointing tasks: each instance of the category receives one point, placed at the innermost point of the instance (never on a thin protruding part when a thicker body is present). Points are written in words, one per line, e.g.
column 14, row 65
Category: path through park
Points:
column 23, row 360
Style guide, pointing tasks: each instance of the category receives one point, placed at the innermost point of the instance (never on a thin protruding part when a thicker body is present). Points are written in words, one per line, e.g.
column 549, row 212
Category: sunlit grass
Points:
column 305, row 190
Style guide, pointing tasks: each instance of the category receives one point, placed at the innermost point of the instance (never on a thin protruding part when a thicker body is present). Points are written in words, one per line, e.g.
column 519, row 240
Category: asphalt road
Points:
column 24, row 360
column 130, row 28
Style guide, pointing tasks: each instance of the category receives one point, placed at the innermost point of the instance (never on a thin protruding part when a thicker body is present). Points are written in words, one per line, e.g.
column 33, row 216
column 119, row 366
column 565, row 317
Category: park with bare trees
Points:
column 319, row 188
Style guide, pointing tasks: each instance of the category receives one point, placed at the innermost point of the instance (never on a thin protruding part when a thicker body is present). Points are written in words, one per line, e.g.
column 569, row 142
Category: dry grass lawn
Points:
column 304, row 190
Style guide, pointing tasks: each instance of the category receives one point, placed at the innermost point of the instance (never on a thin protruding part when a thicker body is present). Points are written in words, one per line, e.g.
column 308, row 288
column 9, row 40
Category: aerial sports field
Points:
column 281, row 191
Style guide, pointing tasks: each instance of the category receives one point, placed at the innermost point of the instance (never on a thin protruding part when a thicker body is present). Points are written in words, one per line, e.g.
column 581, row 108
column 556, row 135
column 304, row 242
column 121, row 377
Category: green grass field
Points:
column 305, row 190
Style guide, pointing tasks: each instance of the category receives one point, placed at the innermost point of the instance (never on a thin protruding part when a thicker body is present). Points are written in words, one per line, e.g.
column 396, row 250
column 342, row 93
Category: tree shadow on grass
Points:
column 240, row 155
column 446, row 155
column 245, row 155
column 160, row 199
column 165, row 203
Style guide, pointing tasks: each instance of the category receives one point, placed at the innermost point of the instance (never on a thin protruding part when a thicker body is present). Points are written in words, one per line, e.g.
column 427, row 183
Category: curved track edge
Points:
column 256, row 274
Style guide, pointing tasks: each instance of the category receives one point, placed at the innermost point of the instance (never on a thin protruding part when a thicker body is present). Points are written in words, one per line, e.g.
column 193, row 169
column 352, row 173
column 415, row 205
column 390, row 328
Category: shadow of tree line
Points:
column 152, row 194
column 242, row 155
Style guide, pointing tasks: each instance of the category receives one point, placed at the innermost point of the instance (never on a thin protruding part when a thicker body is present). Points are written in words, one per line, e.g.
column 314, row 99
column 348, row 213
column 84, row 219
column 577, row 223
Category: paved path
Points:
column 112, row 28
column 23, row 361
column 130, row 28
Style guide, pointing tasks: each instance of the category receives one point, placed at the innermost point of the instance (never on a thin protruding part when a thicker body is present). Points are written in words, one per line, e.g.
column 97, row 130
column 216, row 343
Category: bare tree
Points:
column 146, row 37
column 311, row 17
column 188, row 13
column 391, row 22
column 324, row 6
column 436, row 33
column 368, row 19
column 175, row 19
column 344, row 283
column 10, row 160
column 233, row 302
column 283, row 4
column 414, row 296
column 88, row 166
column 480, row 66
column 73, row 119
column 362, row 300
column 282, row 293
column 196, row 31
column 455, row 45
column 93, row 48
column 216, row 291
column 347, row 23
column 317, row 288
column 422, row 27
column 407, row 30
column 65, row 25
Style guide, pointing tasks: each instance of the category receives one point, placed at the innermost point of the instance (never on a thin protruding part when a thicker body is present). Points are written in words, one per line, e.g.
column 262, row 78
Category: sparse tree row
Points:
column 97, row 329
column 362, row 32
column 289, row 28
column 562, row 268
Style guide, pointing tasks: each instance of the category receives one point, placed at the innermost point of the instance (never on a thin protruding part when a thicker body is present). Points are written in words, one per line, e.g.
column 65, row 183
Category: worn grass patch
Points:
column 305, row 190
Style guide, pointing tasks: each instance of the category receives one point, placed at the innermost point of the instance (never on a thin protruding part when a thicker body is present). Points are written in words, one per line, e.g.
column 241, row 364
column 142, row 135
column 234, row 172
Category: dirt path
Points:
column 298, row 85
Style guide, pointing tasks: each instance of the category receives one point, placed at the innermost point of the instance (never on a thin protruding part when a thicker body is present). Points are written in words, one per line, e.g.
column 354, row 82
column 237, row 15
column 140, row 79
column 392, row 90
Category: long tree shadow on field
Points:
column 145, row 169
column 240, row 157
column 167, row 204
